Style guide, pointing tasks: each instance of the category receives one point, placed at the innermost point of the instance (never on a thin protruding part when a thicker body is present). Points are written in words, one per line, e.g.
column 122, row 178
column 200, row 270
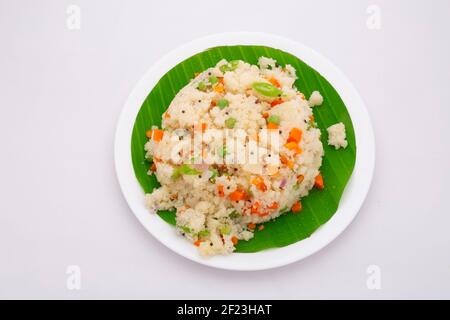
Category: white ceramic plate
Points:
column 351, row 200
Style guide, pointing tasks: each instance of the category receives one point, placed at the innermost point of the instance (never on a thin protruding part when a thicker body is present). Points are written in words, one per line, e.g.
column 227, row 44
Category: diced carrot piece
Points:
column 276, row 102
column 197, row 243
column 166, row 115
column 273, row 206
column 291, row 145
column 261, row 228
column 284, row 160
column 148, row 133
column 259, row 183
column 235, row 240
column 158, row 135
column 200, row 126
column 221, row 80
column 153, row 167
column 275, row 82
column 318, row 182
column 219, row 88
column 311, row 118
column 255, row 207
column 262, row 187
column 272, row 126
column 257, row 180
column 295, row 135
column 300, row 178
column 251, row 226
column 237, row 195
column 297, row 207
column 220, row 191
column 265, row 115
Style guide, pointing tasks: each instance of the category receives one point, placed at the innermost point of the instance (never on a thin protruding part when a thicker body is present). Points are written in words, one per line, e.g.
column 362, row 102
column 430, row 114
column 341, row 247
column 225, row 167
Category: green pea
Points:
column 230, row 66
column 184, row 169
column 185, row 229
column 213, row 80
column 230, row 122
column 274, row 119
column 234, row 64
column 224, row 68
column 222, row 103
column 204, row 233
column 267, row 89
column 225, row 229
column 201, row 86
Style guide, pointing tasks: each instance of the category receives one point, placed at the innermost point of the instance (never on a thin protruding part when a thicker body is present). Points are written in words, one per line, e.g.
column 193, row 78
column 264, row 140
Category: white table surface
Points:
column 61, row 92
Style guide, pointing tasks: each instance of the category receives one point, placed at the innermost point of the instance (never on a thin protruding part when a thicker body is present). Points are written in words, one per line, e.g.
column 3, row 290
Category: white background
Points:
column 61, row 92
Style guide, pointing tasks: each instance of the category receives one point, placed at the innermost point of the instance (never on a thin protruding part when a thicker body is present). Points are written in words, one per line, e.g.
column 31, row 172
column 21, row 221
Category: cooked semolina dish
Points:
column 336, row 136
column 238, row 146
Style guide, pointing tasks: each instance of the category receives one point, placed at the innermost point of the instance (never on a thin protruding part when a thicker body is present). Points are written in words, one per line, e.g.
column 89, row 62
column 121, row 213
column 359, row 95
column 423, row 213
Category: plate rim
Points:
column 358, row 185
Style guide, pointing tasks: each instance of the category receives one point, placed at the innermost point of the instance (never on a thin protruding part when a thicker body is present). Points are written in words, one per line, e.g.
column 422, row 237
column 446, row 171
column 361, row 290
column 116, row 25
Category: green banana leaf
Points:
column 337, row 167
